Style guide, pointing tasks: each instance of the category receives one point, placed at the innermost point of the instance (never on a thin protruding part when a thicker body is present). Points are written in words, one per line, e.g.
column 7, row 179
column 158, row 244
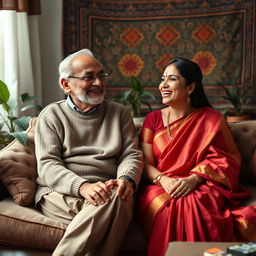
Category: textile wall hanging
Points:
column 136, row 37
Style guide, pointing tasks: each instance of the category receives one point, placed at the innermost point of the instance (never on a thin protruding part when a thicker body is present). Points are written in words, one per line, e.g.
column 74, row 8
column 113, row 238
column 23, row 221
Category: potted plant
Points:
column 12, row 126
column 237, row 99
column 135, row 98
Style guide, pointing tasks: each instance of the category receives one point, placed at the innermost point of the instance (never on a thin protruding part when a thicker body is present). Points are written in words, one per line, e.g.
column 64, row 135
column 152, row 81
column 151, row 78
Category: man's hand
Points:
column 95, row 193
column 125, row 189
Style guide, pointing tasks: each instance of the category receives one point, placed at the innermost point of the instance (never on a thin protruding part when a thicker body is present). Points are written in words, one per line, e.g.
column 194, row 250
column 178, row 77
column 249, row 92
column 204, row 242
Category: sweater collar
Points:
column 75, row 108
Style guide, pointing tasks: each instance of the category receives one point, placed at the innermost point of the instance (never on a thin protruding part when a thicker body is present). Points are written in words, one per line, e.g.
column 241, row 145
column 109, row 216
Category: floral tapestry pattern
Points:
column 139, row 38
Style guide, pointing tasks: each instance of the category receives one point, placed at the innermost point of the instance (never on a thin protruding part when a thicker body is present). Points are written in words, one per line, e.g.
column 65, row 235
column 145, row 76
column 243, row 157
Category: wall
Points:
column 50, row 32
column 141, row 37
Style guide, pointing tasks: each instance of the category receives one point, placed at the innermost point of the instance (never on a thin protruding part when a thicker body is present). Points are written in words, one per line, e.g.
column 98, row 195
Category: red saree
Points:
column 202, row 144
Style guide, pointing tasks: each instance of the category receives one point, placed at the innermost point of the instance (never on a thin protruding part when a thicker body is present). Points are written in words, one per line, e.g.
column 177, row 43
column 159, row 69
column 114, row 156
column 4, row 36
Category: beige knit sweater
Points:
column 72, row 148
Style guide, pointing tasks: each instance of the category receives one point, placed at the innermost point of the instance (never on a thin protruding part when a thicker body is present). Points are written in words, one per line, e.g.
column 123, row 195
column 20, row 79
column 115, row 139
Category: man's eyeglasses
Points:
column 91, row 78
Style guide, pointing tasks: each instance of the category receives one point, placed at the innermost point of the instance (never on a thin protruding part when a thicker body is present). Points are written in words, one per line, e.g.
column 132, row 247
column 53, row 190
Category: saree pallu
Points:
column 202, row 144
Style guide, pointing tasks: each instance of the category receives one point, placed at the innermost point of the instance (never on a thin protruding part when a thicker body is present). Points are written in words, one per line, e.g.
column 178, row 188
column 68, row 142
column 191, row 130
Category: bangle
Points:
column 157, row 179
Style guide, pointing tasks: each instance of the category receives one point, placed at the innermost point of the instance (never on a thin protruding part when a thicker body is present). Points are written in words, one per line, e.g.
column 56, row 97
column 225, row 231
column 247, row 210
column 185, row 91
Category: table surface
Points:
column 12, row 251
column 195, row 248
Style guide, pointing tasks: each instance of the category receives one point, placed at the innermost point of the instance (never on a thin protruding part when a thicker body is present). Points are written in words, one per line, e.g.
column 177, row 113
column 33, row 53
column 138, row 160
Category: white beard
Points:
column 82, row 95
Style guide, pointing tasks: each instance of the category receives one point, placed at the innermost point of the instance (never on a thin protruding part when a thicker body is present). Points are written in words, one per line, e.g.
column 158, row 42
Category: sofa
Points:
column 23, row 227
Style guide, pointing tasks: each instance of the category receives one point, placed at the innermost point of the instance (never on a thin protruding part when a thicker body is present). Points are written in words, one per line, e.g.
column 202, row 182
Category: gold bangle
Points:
column 157, row 179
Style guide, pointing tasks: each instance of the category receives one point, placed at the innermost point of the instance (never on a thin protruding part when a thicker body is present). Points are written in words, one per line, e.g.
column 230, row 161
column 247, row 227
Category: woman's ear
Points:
column 191, row 87
column 65, row 85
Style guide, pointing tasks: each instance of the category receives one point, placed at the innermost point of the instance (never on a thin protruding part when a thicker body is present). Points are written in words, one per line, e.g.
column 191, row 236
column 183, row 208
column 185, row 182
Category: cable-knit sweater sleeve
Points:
column 52, row 171
column 130, row 162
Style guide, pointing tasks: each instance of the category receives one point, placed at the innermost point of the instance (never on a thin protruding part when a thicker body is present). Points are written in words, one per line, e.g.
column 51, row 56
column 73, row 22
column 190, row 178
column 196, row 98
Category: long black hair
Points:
column 192, row 73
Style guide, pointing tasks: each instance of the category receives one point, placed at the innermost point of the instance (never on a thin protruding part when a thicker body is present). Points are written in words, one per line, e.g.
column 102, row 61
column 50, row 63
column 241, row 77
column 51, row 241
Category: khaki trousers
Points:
column 92, row 230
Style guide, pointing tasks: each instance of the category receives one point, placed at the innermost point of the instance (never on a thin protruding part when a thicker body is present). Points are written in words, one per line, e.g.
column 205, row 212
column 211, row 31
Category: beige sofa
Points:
column 22, row 226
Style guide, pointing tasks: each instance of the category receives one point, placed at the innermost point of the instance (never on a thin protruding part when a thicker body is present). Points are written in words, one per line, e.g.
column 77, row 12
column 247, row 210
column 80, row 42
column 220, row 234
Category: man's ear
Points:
column 191, row 87
column 65, row 85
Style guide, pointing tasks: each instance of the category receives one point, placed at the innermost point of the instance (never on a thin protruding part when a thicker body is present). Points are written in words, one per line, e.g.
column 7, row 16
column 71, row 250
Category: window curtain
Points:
column 20, row 62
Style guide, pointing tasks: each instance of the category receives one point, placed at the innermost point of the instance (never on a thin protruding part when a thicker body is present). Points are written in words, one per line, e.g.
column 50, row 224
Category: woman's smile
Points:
column 166, row 94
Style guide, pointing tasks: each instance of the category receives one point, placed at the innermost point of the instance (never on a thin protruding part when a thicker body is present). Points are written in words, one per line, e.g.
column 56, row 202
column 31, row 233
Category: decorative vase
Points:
column 138, row 122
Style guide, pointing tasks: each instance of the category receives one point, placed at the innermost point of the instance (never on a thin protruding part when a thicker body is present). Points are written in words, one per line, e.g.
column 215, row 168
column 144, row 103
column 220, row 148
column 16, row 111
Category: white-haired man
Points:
column 88, row 161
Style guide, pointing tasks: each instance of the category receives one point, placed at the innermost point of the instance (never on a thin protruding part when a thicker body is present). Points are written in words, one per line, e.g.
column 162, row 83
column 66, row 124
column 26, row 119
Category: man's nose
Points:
column 98, row 81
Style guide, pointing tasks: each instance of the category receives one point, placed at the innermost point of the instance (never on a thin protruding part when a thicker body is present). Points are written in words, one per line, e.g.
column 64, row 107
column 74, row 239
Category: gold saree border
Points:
column 247, row 229
column 152, row 210
column 207, row 171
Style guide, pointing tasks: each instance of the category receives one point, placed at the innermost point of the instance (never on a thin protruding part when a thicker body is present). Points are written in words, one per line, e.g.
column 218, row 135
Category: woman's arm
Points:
column 176, row 187
column 151, row 173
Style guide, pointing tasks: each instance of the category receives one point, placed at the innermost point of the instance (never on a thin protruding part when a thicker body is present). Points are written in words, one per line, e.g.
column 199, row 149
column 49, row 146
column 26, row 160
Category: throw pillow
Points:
column 18, row 168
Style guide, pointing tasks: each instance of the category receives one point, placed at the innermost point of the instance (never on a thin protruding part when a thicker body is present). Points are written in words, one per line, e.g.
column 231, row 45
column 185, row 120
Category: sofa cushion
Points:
column 252, row 199
column 18, row 168
column 26, row 227
column 3, row 191
column 244, row 133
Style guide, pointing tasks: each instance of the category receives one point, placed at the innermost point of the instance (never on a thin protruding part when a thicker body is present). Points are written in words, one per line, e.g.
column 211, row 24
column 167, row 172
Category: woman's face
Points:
column 173, row 87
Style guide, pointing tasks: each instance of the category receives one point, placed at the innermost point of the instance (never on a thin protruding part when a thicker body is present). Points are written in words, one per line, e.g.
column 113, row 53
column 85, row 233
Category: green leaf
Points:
column 126, row 95
column 136, row 85
column 29, row 106
column 22, row 122
column 4, row 92
column 22, row 137
column 25, row 97
column 2, row 125
column 6, row 107
column 11, row 117
column 149, row 94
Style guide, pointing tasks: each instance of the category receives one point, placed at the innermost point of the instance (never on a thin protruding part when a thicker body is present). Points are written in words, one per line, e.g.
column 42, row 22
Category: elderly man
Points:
column 88, row 161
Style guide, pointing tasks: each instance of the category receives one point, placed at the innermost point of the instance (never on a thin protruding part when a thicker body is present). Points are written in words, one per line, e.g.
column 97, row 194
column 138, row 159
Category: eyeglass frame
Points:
column 91, row 78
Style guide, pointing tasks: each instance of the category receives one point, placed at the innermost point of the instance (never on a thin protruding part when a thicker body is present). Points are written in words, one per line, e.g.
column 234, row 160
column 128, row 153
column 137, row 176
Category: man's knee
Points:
column 124, row 207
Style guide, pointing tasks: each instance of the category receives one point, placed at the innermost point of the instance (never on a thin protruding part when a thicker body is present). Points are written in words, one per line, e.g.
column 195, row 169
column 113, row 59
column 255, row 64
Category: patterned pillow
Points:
column 18, row 168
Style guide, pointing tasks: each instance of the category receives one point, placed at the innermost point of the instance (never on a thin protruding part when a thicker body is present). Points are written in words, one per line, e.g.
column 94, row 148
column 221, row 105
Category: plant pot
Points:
column 234, row 119
column 138, row 122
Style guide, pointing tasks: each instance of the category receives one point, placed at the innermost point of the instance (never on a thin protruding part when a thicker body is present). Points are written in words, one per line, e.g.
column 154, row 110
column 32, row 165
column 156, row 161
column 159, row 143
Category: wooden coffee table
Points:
column 195, row 248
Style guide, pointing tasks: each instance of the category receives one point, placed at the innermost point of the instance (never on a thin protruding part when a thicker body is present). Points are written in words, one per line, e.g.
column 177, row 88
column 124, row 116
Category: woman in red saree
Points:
column 192, row 167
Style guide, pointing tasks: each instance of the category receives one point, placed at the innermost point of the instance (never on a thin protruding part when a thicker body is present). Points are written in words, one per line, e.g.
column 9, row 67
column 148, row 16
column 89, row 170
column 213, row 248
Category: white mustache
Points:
column 94, row 87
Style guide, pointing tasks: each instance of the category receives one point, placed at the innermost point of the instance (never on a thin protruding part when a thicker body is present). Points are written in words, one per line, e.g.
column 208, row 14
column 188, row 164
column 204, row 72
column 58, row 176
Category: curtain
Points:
column 20, row 64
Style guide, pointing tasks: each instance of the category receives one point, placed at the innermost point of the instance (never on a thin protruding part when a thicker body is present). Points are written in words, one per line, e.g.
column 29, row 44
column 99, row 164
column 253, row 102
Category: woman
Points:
column 192, row 166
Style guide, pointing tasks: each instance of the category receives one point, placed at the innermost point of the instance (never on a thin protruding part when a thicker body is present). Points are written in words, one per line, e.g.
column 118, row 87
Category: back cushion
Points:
column 244, row 133
column 18, row 170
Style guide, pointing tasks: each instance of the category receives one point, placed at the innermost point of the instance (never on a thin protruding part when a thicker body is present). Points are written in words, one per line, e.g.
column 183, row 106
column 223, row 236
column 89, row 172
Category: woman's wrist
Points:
column 198, row 178
column 157, row 179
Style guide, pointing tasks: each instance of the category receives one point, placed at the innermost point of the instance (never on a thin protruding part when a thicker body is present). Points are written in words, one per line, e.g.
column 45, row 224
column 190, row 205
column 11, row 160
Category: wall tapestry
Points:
column 136, row 37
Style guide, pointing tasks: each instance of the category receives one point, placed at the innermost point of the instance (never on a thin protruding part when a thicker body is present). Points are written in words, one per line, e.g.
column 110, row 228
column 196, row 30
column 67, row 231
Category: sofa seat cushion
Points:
column 26, row 227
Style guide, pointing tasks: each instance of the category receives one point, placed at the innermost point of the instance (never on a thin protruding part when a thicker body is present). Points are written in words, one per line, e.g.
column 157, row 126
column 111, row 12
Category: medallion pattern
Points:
column 168, row 36
column 206, row 61
column 130, row 65
column 203, row 34
column 131, row 37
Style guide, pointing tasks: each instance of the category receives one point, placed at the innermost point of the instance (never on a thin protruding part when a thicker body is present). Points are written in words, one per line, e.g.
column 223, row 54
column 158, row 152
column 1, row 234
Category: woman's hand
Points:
column 168, row 183
column 178, row 187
